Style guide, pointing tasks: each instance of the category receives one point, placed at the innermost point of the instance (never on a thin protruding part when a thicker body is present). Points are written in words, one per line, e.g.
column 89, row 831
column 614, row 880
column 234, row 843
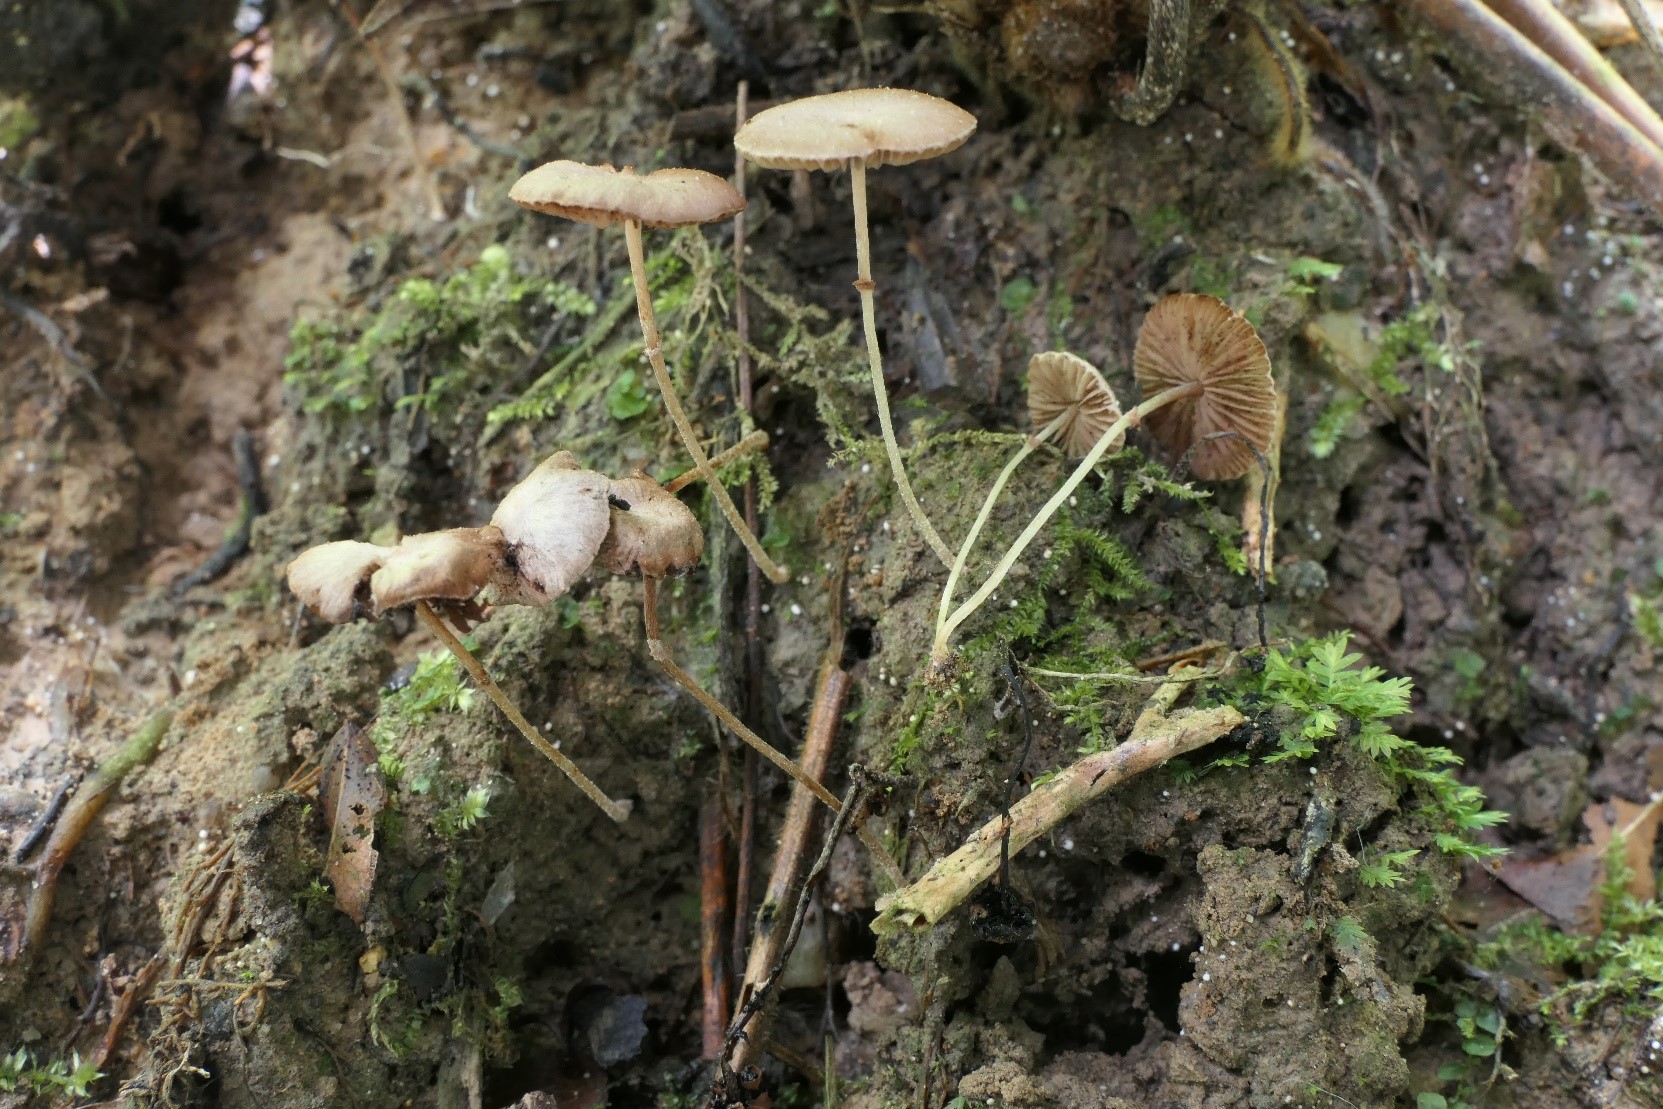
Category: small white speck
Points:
column 1313, row 770
column 865, row 467
column 1188, row 137
column 796, row 610
column 1206, row 978
column 767, row 607
column 1218, row 132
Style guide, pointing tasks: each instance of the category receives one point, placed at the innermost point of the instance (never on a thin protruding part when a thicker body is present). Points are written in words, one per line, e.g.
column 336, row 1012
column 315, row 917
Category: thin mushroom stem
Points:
column 1646, row 29
column 617, row 810
column 672, row 404
column 1028, row 447
column 874, row 358
column 755, row 441
column 661, row 655
column 944, row 632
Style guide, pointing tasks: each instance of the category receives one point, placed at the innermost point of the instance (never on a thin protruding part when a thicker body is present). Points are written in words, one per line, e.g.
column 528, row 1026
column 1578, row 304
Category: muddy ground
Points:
column 225, row 232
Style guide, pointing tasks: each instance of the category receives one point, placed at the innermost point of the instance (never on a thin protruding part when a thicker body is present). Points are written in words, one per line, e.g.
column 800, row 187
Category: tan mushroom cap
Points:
column 1195, row 338
column 1062, row 384
column 553, row 522
column 656, row 535
column 877, row 126
column 603, row 196
column 327, row 577
column 448, row 565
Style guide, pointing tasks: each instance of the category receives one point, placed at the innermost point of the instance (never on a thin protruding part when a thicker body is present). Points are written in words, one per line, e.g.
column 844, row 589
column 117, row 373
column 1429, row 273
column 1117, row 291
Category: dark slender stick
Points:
column 753, row 576
column 252, row 505
column 853, row 802
column 713, row 909
column 44, row 823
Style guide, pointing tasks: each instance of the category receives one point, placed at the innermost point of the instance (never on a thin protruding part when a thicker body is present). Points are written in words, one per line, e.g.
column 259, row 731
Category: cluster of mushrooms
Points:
column 1206, row 376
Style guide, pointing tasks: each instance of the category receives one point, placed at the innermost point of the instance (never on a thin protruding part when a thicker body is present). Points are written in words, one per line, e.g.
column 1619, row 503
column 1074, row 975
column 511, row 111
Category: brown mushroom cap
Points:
column 656, row 534
column 1195, row 338
column 878, row 126
column 554, row 522
column 327, row 577
column 1060, row 383
column 603, row 196
column 440, row 565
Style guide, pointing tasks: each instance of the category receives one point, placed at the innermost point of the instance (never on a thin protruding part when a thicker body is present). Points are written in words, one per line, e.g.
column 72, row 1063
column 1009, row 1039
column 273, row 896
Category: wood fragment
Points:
column 713, row 911
column 1531, row 79
column 1155, row 739
column 78, row 815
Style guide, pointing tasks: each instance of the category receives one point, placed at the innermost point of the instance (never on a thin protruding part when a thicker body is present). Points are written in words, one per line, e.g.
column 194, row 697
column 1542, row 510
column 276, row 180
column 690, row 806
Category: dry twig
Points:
column 1156, row 738
column 1572, row 114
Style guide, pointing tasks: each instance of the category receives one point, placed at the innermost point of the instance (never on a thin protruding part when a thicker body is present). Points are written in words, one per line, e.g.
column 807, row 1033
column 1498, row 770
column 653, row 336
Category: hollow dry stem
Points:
column 617, row 810
column 945, row 628
column 678, row 416
column 1155, row 739
column 874, row 359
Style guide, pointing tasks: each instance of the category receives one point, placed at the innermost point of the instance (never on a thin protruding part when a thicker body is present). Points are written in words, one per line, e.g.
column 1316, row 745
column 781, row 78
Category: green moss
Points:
column 454, row 326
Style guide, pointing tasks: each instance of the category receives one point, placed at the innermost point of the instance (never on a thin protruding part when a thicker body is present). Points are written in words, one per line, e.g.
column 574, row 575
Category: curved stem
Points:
column 944, row 633
column 661, row 655
column 672, row 404
column 999, row 484
column 617, row 810
column 874, row 358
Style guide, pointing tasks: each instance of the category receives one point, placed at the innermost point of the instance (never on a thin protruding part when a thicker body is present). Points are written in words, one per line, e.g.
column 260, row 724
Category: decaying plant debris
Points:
column 306, row 859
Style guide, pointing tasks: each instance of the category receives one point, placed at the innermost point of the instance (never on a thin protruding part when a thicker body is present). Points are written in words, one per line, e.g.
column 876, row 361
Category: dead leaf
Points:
column 353, row 795
column 1566, row 886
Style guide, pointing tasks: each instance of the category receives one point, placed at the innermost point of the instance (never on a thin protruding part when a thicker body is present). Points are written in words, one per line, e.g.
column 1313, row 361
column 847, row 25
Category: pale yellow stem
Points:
column 874, row 358
column 617, row 810
column 672, row 404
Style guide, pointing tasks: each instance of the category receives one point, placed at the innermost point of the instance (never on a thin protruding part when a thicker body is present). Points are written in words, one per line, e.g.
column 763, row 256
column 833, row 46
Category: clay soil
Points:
column 181, row 184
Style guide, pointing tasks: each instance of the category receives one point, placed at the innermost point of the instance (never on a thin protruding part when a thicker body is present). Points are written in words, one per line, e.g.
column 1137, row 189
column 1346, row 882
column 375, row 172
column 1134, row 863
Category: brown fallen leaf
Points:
column 1566, row 886
column 353, row 795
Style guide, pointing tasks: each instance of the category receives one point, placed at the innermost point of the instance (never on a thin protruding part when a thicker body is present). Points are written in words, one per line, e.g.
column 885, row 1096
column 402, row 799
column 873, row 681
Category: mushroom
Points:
column 652, row 532
column 1068, row 398
column 1198, row 341
column 861, row 128
column 543, row 537
column 603, row 196
column 449, row 565
column 327, row 578
column 553, row 522
column 1210, row 366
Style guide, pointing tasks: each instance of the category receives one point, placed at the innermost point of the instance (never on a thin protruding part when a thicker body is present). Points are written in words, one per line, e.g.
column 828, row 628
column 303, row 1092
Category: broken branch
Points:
column 1155, row 739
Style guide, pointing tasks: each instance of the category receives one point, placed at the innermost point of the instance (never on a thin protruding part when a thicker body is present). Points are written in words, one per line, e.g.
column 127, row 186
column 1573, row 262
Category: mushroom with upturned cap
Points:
column 653, row 534
column 1192, row 338
column 553, row 522
column 1066, row 389
column 1209, row 365
column 330, row 578
column 861, row 128
column 1068, row 399
column 603, row 196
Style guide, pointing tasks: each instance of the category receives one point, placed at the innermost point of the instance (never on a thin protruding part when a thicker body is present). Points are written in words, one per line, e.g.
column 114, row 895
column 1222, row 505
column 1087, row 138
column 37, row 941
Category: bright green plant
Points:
column 435, row 686
column 1330, row 695
column 20, row 1071
column 444, row 325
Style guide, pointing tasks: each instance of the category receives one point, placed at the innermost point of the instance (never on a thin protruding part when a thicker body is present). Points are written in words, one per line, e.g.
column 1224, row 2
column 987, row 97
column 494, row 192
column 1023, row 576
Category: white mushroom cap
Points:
column 603, row 196
column 1061, row 384
column 877, row 126
column 656, row 535
column 554, row 523
column 327, row 577
column 448, row 565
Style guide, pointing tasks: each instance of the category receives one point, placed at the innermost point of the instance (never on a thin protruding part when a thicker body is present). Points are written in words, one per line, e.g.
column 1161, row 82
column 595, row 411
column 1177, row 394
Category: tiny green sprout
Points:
column 474, row 806
column 625, row 397
column 1627, row 303
column 1018, row 293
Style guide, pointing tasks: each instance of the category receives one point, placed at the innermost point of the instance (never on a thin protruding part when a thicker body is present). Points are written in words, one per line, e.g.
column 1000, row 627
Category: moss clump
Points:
column 457, row 326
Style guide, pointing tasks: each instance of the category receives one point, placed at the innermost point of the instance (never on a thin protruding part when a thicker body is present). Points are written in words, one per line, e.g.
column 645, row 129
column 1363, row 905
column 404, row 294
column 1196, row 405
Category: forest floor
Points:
column 230, row 248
